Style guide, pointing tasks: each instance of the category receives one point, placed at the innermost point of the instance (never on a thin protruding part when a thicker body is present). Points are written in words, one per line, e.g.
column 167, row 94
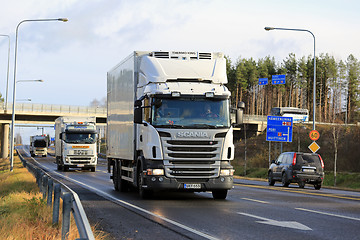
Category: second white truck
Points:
column 75, row 143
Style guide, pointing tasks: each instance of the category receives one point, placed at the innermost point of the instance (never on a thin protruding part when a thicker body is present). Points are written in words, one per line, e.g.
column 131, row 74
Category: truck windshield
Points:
column 40, row 143
column 190, row 113
column 80, row 137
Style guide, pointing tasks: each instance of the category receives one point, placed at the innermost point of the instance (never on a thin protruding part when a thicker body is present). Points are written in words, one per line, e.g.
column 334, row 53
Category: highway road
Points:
column 252, row 210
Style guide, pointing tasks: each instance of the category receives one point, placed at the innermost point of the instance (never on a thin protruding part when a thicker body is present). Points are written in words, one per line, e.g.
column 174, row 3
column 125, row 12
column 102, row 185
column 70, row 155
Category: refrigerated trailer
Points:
column 168, row 123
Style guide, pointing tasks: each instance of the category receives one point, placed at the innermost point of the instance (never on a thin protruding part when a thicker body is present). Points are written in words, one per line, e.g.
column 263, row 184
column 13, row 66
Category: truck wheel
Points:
column 119, row 184
column 144, row 193
column 65, row 168
column 59, row 167
column 115, row 175
column 93, row 169
column 284, row 181
column 219, row 194
column 271, row 181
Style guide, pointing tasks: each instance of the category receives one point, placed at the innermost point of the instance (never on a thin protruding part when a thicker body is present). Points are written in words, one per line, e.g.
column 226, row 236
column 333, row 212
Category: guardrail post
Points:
column 50, row 191
column 38, row 175
column 66, row 216
column 56, row 206
column 44, row 185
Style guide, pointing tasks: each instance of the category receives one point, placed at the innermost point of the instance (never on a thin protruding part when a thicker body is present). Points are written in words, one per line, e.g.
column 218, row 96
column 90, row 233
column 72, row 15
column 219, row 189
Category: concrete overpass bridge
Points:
column 27, row 113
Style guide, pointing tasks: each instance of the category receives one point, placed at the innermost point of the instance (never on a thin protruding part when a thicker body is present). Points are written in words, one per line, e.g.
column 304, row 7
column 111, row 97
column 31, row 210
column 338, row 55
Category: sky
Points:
column 73, row 57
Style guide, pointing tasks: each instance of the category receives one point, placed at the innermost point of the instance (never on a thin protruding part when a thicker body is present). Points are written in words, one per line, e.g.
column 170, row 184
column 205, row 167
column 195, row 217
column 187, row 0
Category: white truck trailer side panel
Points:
column 121, row 94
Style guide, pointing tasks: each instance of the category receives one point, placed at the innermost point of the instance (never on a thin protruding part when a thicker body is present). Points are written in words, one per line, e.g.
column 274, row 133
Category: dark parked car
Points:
column 297, row 167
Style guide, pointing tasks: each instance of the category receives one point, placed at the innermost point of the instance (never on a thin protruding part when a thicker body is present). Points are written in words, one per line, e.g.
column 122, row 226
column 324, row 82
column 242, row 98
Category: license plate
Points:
column 192, row 185
column 80, row 165
column 308, row 170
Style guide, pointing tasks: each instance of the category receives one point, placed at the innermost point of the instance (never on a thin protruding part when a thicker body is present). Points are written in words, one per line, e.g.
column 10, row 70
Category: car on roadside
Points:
column 297, row 167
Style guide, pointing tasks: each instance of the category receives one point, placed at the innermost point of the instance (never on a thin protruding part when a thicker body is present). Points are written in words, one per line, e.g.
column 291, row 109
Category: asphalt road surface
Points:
column 252, row 210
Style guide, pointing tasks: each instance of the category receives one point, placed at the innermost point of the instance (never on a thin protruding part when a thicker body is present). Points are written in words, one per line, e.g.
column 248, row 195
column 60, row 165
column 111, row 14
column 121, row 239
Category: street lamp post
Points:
column 14, row 88
column 7, row 77
column 314, row 84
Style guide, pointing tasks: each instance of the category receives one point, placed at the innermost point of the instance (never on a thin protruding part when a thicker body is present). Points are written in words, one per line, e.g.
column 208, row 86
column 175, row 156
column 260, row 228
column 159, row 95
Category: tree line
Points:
column 337, row 86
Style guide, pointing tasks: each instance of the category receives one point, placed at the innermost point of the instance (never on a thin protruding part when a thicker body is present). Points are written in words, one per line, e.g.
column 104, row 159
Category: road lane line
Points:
column 328, row 214
column 299, row 191
column 255, row 200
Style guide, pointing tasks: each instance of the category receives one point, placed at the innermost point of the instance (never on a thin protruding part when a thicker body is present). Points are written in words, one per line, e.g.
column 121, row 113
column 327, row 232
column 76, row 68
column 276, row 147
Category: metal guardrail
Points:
column 53, row 189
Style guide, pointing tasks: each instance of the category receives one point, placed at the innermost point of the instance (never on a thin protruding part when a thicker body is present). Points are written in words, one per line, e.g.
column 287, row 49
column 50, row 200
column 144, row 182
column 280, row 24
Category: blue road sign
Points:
column 263, row 81
column 279, row 129
column 278, row 79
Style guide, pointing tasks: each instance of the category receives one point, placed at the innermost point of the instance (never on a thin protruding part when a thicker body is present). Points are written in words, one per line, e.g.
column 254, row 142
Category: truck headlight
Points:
column 156, row 172
column 227, row 172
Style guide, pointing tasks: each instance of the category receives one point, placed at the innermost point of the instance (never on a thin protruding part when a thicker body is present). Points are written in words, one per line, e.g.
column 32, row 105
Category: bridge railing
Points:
column 53, row 108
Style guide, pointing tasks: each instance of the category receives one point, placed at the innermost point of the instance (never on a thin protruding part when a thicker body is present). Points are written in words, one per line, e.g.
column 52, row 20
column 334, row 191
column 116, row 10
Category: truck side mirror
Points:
column 138, row 103
column 138, row 115
column 240, row 113
column 60, row 136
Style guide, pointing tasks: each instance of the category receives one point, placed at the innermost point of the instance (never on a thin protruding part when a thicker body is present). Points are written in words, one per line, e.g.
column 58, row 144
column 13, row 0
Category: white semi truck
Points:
column 39, row 145
column 75, row 143
column 168, row 123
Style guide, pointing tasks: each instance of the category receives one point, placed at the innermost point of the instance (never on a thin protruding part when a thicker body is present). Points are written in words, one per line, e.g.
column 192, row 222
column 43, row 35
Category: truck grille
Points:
column 192, row 158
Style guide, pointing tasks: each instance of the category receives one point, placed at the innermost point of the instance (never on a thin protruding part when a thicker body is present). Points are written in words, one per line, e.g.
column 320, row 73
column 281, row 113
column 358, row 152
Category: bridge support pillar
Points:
column 4, row 140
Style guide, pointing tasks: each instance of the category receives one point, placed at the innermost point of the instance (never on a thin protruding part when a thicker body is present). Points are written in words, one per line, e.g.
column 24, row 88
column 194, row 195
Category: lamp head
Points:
column 63, row 19
column 269, row 28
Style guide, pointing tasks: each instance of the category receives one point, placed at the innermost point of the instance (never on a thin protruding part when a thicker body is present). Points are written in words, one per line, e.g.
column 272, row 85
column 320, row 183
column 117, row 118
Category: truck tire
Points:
column 119, row 184
column 65, row 168
column 59, row 167
column 144, row 193
column 219, row 194
column 93, row 169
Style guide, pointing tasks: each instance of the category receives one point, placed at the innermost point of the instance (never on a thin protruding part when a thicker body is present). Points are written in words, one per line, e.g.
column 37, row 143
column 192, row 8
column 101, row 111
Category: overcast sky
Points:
column 73, row 57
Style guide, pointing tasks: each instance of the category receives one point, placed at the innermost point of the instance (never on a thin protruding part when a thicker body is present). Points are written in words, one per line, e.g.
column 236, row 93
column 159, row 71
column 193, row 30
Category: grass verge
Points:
column 23, row 212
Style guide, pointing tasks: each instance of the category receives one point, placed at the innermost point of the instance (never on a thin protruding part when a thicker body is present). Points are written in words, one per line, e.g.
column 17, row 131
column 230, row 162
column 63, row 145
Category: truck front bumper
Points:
column 164, row 183
column 77, row 161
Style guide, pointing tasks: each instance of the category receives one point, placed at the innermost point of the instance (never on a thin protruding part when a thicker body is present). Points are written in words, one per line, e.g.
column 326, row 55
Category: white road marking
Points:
column 287, row 224
column 328, row 214
column 255, row 200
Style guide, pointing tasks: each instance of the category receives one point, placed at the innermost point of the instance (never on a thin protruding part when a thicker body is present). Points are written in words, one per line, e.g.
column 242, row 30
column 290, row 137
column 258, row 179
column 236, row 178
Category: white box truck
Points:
column 39, row 145
column 75, row 143
column 168, row 123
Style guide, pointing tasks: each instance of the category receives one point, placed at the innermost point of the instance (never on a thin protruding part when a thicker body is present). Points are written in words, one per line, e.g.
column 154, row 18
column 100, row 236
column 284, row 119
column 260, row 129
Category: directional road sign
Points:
column 279, row 129
column 278, row 79
column 263, row 81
